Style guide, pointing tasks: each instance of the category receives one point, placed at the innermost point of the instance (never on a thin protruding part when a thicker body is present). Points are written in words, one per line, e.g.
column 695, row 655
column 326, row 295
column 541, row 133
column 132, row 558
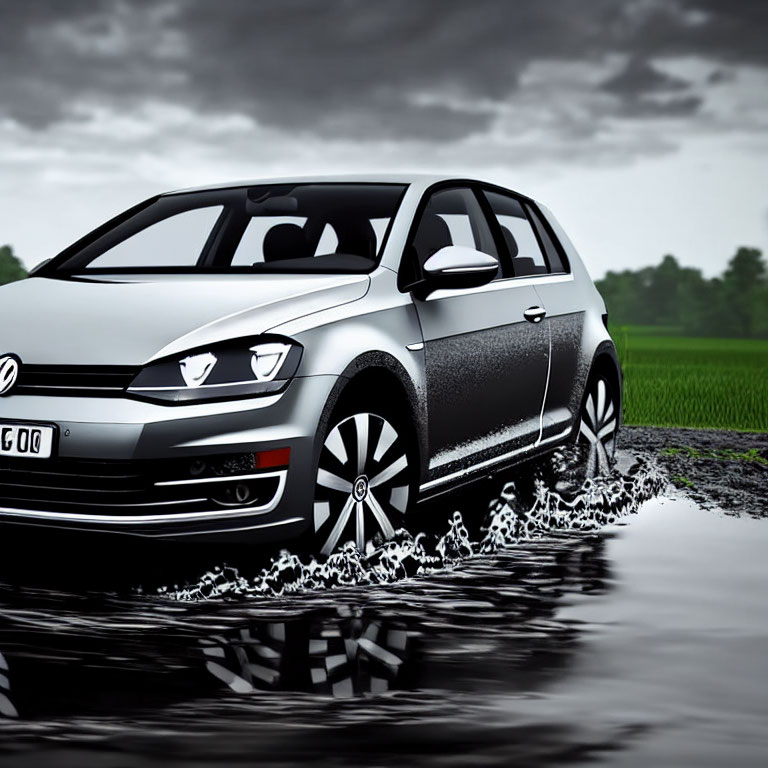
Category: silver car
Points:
column 313, row 356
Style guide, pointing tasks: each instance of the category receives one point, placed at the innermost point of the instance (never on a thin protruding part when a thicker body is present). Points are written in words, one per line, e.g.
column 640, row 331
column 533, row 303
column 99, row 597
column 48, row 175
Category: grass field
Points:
column 675, row 381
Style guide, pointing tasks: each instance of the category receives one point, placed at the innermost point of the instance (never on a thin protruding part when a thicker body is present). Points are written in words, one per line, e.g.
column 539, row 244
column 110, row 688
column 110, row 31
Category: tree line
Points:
column 734, row 304
column 680, row 298
column 11, row 269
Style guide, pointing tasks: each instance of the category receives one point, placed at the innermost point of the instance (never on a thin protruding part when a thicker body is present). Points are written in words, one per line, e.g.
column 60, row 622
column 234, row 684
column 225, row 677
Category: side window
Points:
column 451, row 217
column 519, row 236
column 176, row 241
column 555, row 256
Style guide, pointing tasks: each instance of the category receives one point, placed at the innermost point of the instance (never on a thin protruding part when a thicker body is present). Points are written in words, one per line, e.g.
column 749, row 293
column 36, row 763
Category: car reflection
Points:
column 496, row 628
column 343, row 656
column 6, row 705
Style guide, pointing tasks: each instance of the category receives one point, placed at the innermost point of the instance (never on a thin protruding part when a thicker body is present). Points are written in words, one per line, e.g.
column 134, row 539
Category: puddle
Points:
column 625, row 626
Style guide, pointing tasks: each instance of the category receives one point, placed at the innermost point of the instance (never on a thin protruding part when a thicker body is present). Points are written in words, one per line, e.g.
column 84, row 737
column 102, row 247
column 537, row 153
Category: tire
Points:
column 598, row 427
column 365, row 479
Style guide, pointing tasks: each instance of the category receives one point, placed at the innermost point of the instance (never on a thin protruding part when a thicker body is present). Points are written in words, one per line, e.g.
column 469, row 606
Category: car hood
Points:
column 129, row 322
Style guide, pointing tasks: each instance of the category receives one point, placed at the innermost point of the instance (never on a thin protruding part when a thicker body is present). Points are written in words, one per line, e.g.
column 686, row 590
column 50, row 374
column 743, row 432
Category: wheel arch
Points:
column 379, row 374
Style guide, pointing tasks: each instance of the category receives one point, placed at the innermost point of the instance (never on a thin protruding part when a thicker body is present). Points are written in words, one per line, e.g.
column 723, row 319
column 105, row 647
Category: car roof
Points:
column 421, row 179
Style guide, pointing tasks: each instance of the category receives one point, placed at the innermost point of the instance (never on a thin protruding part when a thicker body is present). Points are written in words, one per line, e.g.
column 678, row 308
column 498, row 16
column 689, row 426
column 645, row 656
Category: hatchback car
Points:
column 268, row 359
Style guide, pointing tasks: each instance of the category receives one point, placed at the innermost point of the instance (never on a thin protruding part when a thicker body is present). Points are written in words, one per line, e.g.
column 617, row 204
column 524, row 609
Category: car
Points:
column 302, row 357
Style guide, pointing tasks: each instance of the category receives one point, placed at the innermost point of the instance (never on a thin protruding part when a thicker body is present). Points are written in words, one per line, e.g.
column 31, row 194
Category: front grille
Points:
column 75, row 380
column 124, row 488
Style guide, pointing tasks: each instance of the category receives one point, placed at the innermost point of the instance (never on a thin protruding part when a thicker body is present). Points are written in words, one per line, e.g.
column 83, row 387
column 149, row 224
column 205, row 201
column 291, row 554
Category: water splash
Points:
column 599, row 502
column 509, row 521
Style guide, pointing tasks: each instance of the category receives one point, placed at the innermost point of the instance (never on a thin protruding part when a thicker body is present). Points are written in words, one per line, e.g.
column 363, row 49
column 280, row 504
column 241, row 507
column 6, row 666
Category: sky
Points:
column 643, row 124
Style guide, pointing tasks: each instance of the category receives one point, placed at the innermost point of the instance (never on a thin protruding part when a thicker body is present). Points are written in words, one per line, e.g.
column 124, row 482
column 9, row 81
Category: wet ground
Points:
column 625, row 626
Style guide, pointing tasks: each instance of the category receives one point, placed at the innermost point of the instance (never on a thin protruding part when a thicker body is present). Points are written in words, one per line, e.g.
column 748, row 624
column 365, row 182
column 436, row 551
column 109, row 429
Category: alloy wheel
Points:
column 597, row 431
column 363, row 482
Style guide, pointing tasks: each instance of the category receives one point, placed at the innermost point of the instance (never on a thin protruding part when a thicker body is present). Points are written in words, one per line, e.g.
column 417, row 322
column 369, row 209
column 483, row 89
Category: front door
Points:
column 486, row 364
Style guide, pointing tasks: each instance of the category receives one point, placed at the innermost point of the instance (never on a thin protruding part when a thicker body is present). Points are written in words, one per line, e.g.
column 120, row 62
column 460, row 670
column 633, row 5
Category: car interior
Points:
column 522, row 266
column 354, row 235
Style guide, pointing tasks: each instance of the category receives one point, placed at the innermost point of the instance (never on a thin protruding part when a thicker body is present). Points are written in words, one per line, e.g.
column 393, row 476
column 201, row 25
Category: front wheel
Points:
column 598, row 427
column 364, row 481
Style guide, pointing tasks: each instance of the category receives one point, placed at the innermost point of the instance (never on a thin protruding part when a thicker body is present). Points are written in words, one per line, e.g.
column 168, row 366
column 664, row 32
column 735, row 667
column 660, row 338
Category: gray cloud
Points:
column 639, row 78
column 645, row 91
column 349, row 69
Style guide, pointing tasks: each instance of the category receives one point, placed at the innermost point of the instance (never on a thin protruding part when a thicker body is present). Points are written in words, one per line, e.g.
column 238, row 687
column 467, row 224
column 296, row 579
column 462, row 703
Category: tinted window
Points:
column 526, row 257
column 452, row 217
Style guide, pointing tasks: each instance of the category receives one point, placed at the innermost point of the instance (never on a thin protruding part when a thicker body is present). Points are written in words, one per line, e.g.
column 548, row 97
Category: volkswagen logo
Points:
column 9, row 373
column 360, row 488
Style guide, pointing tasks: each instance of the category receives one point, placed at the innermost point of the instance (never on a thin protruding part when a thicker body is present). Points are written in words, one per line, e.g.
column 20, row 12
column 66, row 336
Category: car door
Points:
column 486, row 364
column 535, row 258
column 565, row 307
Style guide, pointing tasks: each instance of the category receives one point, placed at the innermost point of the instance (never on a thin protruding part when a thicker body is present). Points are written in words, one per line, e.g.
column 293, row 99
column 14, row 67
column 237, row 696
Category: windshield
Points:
column 287, row 228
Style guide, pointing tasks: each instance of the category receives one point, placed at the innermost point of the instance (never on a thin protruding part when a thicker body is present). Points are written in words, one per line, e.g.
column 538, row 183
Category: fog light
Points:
column 233, row 494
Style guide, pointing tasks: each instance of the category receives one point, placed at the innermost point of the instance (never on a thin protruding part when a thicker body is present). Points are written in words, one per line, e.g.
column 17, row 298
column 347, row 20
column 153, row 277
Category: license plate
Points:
column 31, row 441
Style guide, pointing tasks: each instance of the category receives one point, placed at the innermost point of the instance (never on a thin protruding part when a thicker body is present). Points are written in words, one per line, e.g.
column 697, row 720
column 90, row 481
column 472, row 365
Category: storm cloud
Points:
column 398, row 69
column 647, row 117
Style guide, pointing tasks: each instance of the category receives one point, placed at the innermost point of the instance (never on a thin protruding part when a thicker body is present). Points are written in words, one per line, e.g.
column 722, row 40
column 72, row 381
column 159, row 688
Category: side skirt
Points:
column 490, row 467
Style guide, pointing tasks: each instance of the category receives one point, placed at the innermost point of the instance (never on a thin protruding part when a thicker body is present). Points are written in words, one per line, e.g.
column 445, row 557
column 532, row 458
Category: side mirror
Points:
column 457, row 266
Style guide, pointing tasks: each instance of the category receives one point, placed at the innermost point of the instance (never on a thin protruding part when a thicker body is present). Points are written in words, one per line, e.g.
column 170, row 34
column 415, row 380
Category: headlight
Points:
column 241, row 368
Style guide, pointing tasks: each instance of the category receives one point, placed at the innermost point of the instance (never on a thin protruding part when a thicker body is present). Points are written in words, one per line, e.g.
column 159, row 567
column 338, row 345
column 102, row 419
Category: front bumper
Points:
column 125, row 466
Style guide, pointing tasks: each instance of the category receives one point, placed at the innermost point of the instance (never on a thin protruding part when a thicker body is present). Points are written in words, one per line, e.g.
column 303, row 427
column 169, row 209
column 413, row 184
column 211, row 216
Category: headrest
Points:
column 285, row 241
column 509, row 239
column 356, row 236
column 432, row 235
column 523, row 266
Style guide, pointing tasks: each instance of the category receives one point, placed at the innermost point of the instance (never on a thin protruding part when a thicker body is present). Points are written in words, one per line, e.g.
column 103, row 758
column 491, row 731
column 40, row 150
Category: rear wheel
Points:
column 598, row 427
column 364, row 480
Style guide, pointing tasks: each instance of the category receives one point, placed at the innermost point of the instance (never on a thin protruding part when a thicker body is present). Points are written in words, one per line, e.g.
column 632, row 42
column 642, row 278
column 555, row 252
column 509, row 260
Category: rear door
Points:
column 486, row 364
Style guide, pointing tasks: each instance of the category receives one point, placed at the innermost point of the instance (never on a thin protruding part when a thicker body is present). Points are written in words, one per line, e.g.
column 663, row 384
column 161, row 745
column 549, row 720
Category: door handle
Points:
column 535, row 314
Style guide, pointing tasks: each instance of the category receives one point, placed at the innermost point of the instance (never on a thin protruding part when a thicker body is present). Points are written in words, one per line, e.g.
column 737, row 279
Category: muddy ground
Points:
column 713, row 467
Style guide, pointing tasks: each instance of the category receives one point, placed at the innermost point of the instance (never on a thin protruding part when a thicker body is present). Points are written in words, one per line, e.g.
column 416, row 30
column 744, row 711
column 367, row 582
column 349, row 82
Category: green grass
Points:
column 721, row 454
column 675, row 381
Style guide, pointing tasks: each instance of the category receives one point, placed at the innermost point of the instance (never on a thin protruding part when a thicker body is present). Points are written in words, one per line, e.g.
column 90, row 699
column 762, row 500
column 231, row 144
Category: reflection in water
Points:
column 496, row 628
column 6, row 705
column 346, row 655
